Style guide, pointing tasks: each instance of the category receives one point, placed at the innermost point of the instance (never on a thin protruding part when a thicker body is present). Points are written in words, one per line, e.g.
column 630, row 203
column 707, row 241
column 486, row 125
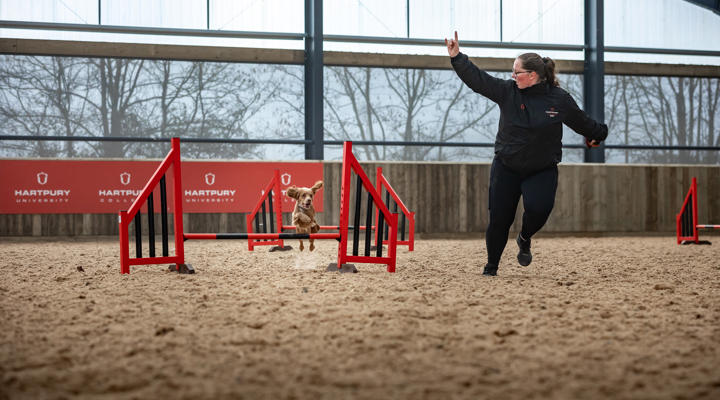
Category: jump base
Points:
column 182, row 268
column 333, row 267
column 698, row 242
column 279, row 248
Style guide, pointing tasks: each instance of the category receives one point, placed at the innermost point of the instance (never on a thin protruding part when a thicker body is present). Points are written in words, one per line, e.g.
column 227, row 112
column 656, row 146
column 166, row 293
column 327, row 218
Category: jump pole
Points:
column 260, row 236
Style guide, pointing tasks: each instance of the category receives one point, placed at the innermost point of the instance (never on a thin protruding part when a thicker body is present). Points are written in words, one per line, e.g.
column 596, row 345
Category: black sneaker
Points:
column 524, row 255
column 490, row 270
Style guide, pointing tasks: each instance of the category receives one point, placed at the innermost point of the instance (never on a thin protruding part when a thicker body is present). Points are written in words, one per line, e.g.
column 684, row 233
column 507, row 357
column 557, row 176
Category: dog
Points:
column 303, row 216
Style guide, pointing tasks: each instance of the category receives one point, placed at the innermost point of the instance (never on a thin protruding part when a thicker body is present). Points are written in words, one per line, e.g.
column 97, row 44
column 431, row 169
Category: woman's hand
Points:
column 591, row 143
column 453, row 46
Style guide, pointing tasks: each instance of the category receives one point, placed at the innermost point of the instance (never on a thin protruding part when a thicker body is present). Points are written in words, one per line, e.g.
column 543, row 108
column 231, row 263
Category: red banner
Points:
column 96, row 187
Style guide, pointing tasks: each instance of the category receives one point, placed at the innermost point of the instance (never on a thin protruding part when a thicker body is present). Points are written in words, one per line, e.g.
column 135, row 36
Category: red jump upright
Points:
column 272, row 191
column 350, row 165
column 687, row 219
column 170, row 163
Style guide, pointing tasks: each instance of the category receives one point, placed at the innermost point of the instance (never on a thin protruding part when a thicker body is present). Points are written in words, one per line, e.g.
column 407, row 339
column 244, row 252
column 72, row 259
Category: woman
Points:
column 528, row 144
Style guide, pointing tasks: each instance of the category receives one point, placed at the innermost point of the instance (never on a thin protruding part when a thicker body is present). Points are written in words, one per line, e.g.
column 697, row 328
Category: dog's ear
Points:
column 293, row 192
column 317, row 186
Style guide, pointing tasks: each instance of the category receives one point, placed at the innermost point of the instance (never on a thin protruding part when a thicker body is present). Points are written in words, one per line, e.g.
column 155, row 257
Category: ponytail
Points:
column 550, row 71
column 543, row 66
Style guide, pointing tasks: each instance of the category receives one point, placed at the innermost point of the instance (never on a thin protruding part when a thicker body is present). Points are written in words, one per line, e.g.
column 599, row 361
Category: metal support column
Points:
column 594, row 82
column 314, row 80
column 407, row 18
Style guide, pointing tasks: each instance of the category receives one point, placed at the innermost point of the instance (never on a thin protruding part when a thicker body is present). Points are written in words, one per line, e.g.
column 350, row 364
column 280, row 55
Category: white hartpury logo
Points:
column 42, row 178
column 210, row 178
column 552, row 113
column 285, row 178
column 125, row 178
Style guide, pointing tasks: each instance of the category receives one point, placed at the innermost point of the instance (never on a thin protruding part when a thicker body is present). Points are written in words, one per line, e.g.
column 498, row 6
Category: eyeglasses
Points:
column 516, row 73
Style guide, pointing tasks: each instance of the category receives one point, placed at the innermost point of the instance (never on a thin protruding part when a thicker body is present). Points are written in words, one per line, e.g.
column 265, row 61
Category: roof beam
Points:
column 334, row 58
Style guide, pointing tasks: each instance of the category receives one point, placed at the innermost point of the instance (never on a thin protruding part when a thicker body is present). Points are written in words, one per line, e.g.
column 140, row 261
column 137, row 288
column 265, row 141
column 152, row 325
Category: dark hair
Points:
column 543, row 66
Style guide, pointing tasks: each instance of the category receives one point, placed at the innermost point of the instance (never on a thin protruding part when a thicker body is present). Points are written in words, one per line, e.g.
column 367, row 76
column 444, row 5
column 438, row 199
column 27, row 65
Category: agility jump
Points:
column 171, row 165
column 406, row 215
column 687, row 219
column 267, row 204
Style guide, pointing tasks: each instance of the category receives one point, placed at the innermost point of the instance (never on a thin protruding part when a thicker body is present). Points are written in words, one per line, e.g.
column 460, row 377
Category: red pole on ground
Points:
column 261, row 236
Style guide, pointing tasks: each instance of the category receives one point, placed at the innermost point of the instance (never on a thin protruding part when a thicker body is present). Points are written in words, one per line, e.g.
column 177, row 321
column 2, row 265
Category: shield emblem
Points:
column 210, row 178
column 285, row 179
column 42, row 178
column 125, row 178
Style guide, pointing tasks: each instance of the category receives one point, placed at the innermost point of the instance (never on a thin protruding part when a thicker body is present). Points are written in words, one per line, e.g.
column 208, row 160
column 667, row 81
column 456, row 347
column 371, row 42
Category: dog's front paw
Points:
column 312, row 246
column 302, row 247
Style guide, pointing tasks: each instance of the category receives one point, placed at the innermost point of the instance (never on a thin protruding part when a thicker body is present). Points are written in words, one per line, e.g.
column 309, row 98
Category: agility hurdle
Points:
column 350, row 167
column 171, row 163
column 687, row 219
column 406, row 214
column 258, row 218
column 266, row 206
column 272, row 190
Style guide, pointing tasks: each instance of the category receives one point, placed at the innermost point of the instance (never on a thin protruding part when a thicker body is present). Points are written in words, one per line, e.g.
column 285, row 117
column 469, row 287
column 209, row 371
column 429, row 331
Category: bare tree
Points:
column 352, row 109
column 475, row 116
column 234, row 101
column 713, row 139
column 56, row 96
column 618, row 112
column 59, row 96
column 173, row 87
column 38, row 99
column 406, row 105
column 116, row 86
column 669, row 111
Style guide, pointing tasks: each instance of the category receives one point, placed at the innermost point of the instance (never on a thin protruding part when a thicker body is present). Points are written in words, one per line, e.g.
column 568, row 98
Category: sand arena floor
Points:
column 591, row 318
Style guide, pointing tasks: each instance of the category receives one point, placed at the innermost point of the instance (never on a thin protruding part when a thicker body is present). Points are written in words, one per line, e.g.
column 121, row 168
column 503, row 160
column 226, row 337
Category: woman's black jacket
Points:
column 529, row 137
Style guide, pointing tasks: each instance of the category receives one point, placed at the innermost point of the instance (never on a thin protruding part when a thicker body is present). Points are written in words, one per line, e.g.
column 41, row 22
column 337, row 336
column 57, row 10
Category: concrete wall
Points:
column 451, row 198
